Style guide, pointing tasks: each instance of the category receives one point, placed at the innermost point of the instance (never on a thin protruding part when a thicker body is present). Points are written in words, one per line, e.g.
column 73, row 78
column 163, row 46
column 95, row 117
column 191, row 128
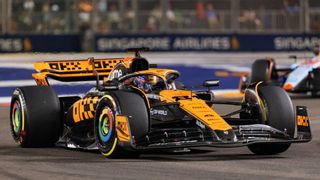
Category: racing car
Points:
column 301, row 77
column 136, row 107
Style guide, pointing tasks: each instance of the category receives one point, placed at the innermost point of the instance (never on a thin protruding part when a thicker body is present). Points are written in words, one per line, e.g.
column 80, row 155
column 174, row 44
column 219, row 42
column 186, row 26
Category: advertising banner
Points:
column 40, row 43
column 161, row 42
column 208, row 42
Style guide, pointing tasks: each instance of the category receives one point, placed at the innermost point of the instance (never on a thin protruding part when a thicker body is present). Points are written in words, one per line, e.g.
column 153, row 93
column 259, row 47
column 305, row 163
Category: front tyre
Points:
column 279, row 113
column 105, row 131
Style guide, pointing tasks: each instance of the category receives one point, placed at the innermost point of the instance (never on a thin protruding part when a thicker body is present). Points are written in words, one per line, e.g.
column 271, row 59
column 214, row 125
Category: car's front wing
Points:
column 195, row 137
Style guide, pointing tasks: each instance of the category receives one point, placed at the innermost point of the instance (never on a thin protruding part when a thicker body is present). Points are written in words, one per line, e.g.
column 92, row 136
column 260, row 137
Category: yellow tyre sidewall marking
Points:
column 261, row 102
column 112, row 148
column 22, row 113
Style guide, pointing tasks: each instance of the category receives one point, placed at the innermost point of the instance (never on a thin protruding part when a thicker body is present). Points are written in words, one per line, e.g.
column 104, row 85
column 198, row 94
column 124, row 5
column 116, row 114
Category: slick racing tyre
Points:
column 263, row 70
column 35, row 116
column 279, row 112
column 105, row 131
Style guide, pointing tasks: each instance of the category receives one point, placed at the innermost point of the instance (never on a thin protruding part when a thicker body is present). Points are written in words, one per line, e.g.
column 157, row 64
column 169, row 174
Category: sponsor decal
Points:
column 65, row 66
column 295, row 43
column 11, row 44
column 107, row 43
column 84, row 109
column 76, row 65
column 158, row 112
column 153, row 96
column 200, row 124
column 235, row 44
column 117, row 73
column 207, row 42
column 167, row 42
column 303, row 121
column 182, row 43
column 27, row 45
column 122, row 128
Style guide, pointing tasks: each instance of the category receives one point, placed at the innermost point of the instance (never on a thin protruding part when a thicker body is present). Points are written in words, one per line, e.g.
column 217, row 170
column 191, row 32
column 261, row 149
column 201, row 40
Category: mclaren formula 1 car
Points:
column 136, row 107
column 299, row 78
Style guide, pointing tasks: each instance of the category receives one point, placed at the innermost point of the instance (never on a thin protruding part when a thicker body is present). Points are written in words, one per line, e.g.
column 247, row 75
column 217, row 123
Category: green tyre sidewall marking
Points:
column 17, row 117
column 16, row 120
column 105, row 128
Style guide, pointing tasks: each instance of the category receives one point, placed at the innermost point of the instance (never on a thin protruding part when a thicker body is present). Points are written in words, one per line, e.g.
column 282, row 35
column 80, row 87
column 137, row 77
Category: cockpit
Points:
column 148, row 82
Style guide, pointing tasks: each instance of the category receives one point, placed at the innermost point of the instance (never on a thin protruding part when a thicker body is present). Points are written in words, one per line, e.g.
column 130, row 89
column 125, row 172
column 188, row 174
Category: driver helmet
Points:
column 153, row 80
column 142, row 83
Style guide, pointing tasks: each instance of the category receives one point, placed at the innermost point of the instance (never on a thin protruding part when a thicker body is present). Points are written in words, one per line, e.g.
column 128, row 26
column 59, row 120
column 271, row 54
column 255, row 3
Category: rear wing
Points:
column 75, row 70
column 85, row 70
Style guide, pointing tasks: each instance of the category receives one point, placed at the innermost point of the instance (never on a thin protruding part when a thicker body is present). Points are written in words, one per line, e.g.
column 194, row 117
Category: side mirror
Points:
column 211, row 83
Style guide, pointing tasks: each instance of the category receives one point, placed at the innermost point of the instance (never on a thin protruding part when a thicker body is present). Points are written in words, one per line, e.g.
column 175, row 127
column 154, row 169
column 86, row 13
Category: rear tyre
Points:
column 35, row 116
column 279, row 113
column 263, row 70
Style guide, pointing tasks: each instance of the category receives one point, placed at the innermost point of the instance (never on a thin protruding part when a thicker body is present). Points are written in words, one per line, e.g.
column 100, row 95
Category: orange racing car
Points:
column 136, row 106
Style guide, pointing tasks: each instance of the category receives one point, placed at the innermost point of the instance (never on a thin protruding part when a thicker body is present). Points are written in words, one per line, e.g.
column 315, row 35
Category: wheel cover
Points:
column 105, row 125
column 16, row 118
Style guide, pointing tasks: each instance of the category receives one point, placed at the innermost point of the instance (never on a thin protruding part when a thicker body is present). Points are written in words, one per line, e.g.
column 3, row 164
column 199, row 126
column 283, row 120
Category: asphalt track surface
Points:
column 301, row 161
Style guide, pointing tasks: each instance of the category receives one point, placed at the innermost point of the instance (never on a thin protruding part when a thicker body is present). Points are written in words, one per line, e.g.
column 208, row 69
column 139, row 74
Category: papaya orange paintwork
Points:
column 70, row 70
column 288, row 87
column 122, row 128
column 198, row 108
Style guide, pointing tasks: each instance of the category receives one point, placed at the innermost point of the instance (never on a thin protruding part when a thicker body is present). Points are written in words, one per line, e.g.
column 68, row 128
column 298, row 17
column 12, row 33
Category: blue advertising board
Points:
column 208, row 42
column 162, row 42
column 40, row 43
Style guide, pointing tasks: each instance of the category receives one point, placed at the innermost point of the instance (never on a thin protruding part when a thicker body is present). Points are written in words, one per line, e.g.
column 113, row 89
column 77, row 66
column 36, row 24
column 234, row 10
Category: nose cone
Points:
column 288, row 86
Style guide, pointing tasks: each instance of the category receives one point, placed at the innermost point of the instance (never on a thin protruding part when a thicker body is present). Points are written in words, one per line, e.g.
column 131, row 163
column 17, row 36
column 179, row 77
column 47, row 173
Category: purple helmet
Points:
column 142, row 83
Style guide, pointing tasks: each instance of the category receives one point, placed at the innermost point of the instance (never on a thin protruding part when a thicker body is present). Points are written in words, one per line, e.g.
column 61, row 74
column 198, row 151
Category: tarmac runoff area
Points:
column 301, row 161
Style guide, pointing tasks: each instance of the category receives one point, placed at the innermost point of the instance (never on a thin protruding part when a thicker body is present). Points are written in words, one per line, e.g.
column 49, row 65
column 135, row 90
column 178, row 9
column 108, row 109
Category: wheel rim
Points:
column 105, row 126
column 16, row 118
